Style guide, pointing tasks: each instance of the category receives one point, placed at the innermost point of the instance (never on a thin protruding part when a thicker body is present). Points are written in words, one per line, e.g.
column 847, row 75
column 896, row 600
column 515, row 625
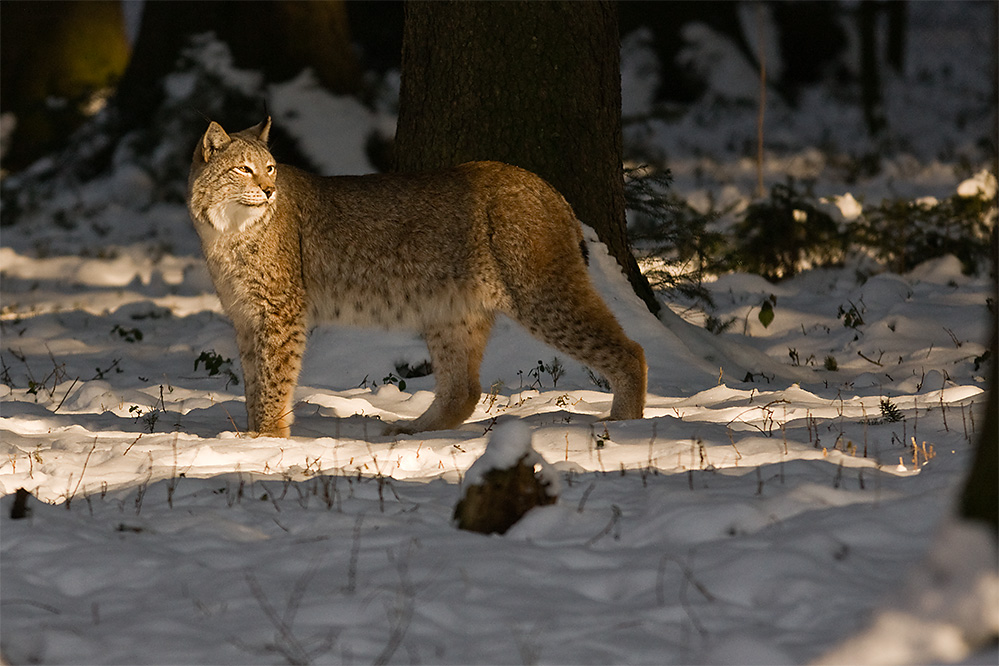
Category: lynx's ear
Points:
column 215, row 139
column 259, row 132
column 263, row 130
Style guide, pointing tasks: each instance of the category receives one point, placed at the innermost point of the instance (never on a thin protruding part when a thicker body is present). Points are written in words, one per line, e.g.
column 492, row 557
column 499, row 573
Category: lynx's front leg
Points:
column 271, row 357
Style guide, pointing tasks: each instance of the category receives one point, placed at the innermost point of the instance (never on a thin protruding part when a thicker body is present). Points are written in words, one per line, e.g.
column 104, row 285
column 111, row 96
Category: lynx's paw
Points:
column 399, row 428
column 284, row 433
column 282, row 428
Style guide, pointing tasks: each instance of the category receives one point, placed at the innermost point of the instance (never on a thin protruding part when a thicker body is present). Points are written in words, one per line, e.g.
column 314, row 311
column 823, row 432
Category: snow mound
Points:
column 982, row 184
column 948, row 608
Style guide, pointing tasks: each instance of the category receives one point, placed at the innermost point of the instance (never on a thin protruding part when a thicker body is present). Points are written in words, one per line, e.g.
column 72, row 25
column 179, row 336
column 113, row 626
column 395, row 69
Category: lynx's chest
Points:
column 252, row 267
column 229, row 224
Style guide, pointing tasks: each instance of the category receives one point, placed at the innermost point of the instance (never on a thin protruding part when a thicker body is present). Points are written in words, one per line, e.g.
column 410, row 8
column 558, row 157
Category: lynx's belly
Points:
column 404, row 306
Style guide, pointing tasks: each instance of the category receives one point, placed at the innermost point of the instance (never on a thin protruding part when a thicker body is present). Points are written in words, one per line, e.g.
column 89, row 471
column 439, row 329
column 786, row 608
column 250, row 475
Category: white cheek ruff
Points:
column 235, row 216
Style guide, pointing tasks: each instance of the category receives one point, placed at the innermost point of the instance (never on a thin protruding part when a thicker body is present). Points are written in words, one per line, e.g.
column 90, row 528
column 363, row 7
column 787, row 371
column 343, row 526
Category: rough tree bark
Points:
column 535, row 84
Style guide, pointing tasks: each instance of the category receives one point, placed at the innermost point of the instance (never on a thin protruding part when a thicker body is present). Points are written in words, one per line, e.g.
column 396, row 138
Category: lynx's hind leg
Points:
column 536, row 244
column 573, row 319
column 456, row 349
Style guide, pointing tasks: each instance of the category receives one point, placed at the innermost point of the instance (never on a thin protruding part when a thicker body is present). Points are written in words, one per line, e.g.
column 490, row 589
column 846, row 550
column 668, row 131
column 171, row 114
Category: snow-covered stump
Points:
column 509, row 479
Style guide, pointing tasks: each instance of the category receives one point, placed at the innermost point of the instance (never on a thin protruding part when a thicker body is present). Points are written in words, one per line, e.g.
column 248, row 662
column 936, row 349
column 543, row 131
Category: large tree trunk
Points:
column 535, row 84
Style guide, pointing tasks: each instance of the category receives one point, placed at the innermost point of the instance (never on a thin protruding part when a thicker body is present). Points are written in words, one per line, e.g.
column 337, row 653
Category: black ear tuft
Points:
column 259, row 132
column 264, row 130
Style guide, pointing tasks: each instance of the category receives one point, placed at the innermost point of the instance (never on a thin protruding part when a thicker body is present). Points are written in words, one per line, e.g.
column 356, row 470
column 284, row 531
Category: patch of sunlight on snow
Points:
column 344, row 406
column 132, row 263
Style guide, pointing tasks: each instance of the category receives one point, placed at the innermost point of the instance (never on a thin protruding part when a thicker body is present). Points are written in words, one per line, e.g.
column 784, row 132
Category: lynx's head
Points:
column 232, row 179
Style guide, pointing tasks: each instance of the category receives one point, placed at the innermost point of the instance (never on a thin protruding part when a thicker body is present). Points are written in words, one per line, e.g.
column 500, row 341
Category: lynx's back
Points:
column 403, row 247
column 437, row 252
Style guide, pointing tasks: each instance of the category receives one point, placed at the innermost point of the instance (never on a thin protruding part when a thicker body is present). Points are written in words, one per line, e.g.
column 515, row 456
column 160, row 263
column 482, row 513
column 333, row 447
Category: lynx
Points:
column 439, row 253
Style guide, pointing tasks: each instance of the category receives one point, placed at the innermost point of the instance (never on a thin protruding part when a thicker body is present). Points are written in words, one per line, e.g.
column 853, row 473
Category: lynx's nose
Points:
column 268, row 190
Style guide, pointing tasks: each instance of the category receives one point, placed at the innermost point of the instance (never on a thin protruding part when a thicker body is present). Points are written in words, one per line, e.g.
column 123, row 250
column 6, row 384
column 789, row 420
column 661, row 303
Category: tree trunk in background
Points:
column 898, row 14
column 278, row 38
column 870, row 67
column 811, row 38
column 535, row 84
column 64, row 51
column 879, row 47
column 980, row 499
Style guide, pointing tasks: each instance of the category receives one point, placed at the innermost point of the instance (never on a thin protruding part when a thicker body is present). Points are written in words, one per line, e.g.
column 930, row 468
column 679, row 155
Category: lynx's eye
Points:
column 271, row 169
column 245, row 170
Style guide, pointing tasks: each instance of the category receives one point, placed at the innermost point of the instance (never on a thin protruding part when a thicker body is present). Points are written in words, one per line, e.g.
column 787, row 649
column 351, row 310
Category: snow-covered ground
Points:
column 757, row 514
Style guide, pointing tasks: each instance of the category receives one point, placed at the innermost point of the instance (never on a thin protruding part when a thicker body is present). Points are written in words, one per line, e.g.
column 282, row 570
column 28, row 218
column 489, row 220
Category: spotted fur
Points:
column 439, row 253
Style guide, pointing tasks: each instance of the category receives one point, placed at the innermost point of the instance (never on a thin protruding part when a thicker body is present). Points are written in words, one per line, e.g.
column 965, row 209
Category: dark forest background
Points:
column 60, row 60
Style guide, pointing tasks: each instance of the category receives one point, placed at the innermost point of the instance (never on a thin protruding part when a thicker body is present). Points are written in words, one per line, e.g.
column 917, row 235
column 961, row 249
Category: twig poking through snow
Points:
column 614, row 523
